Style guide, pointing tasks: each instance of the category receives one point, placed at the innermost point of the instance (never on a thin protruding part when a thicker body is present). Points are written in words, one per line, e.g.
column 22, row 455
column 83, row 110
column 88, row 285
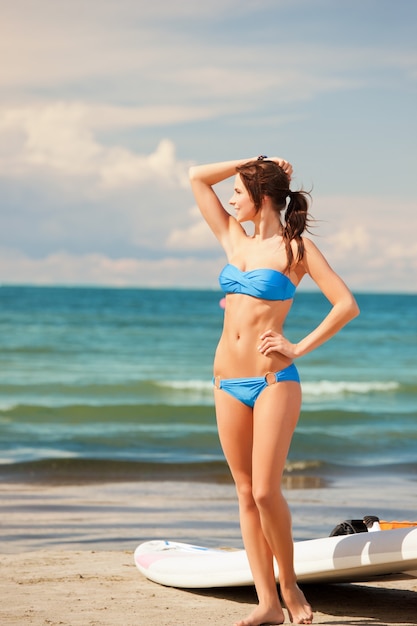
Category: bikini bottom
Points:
column 247, row 390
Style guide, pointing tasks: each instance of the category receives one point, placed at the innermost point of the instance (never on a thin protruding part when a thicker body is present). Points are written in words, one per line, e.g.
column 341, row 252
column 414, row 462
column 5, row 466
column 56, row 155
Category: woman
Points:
column 257, row 390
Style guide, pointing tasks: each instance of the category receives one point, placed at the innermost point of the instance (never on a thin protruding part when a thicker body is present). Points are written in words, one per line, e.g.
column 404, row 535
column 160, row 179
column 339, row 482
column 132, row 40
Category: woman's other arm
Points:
column 344, row 308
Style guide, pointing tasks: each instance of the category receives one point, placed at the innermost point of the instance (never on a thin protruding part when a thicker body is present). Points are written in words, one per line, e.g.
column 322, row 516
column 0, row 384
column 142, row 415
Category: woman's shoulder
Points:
column 308, row 241
column 309, row 246
column 313, row 258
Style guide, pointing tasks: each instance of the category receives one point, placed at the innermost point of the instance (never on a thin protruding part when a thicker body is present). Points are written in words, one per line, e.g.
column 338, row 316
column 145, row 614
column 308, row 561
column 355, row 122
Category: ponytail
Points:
column 296, row 222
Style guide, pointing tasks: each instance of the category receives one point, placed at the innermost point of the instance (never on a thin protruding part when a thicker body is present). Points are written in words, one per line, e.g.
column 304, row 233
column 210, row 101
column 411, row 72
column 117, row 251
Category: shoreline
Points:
column 85, row 471
column 120, row 515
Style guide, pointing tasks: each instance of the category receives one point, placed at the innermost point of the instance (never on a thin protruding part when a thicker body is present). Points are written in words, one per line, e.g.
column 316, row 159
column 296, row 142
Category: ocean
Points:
column 123, row 377
column 107, row 384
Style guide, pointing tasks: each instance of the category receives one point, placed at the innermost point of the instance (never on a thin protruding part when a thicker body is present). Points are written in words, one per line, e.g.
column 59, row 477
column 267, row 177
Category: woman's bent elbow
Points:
column 353, row 309
column 348, row 309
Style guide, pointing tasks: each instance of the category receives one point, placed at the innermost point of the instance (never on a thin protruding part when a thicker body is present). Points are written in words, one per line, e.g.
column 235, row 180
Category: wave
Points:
column 194, row 385
column 310, row 388
column 65, row 469
column 297, row 475
column 61, row 410
column 83, row 470
column 107, row 413
column 314, row 387
column 336, row 388
column 133, row 393
column 175, row 392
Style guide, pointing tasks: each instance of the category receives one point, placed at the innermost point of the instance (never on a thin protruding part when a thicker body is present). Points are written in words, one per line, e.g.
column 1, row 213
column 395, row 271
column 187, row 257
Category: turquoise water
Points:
column 106, row 380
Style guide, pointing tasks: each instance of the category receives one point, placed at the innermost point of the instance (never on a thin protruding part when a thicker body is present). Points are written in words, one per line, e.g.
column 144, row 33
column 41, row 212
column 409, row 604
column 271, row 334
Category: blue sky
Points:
column 105, row 104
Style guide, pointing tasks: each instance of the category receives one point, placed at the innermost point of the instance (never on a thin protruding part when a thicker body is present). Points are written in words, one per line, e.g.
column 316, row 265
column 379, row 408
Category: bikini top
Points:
column 265, row 284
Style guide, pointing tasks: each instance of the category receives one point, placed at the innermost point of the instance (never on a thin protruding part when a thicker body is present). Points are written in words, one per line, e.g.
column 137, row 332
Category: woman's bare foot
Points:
column 299, row 610
column 259, row 616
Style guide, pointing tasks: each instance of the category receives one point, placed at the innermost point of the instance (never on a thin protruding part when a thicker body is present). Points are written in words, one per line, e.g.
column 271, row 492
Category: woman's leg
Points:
column 235, row 425
column 276, row 413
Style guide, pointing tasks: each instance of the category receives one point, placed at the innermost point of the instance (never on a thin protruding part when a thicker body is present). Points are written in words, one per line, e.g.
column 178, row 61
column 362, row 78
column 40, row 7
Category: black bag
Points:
column 353, row 526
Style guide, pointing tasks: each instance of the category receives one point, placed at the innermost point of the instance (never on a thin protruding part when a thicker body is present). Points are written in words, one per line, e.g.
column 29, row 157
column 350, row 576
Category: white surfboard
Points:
column 361, row 556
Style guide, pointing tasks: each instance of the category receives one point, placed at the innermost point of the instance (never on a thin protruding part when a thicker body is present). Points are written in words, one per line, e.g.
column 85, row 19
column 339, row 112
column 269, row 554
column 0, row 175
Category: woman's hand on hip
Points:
column 271, row 341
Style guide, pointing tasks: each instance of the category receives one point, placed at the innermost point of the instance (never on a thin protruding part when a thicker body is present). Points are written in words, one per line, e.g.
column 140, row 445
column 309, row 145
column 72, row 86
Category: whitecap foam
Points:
column 186, row 385
column 7, row 405
column 338, row 388
column 300, row 466
column 316, row 388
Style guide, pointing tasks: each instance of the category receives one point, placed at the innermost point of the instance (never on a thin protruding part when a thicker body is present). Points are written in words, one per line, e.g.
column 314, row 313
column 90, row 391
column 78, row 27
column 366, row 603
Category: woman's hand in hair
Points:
column 285, row 165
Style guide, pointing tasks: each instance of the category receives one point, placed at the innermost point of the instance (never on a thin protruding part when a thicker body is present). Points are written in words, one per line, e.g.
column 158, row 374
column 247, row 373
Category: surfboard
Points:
column 362, row 556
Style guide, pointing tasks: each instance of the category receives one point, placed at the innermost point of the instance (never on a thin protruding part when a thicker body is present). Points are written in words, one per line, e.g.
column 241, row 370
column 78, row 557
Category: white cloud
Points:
column 196, row 236
column 96, row 269
column 370, row 240
column 355, row 239
column 78, row 193
column 58, row 147
column 59, row 138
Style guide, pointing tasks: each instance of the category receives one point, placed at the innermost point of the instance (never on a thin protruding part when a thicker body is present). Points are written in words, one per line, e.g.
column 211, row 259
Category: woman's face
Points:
column 242, row 202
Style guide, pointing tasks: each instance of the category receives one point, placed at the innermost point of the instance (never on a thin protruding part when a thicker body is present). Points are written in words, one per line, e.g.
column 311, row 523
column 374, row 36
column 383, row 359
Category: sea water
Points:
column 107, row 424
column 121, row 378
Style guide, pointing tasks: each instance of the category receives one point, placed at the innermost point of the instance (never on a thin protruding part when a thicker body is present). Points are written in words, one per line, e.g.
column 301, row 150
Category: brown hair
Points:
column 266, row 178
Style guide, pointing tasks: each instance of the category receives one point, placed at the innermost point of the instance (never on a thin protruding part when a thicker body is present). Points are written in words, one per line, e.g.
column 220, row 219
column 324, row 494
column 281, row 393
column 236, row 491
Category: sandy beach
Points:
column 67, row 556
column 103, row 588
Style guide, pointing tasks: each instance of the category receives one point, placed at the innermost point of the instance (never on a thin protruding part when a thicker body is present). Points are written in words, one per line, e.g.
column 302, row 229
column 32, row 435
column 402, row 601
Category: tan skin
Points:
column 256, row 441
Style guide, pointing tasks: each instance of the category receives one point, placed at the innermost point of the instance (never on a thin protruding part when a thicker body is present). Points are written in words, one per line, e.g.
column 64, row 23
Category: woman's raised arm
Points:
column 202, row 178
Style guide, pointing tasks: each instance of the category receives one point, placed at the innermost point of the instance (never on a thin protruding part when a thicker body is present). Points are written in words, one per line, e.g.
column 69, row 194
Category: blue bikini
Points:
column 265, row 284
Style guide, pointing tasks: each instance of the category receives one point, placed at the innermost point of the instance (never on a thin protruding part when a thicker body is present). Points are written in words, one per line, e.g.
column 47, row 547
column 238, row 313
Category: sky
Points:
column 105, row 104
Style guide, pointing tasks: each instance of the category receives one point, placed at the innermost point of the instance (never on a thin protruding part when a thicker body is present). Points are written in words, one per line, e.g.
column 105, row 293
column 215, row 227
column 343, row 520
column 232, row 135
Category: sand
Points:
column 67, row 556
column 103, row 588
